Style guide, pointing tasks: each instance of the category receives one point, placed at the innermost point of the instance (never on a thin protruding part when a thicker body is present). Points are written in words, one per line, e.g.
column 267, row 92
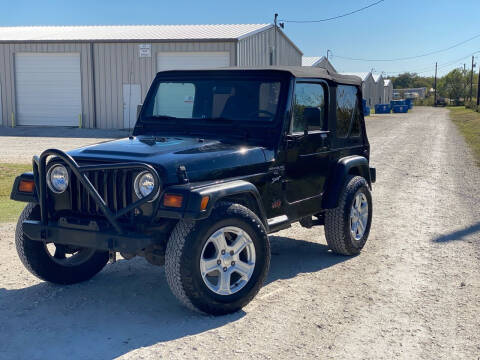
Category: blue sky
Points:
column 389, row 30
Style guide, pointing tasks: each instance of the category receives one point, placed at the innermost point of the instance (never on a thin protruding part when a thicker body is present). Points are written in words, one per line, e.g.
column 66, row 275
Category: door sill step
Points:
column 278, row 223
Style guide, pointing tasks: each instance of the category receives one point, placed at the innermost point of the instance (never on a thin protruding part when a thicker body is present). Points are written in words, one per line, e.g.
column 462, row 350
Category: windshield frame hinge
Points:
column 182, row 174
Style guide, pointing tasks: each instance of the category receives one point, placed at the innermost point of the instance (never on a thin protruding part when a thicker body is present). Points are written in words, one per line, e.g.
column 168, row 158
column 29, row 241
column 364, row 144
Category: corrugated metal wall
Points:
column 7, row 75
column 255, row 49
column 388, row 93
column 116, row 64
column 379, row 90
column 369, row 91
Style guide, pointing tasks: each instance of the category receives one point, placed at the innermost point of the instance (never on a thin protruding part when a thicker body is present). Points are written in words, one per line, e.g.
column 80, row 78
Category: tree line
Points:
column 455, row 85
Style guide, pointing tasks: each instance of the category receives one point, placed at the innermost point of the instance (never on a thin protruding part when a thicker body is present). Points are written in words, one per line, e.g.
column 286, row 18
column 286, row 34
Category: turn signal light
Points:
column 204, row 203
column 26, row 186
column 173, row 200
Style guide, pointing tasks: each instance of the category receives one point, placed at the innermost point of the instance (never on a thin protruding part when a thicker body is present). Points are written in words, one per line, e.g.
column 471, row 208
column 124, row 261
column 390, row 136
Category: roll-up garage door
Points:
column 48, row 89
column 192, row 60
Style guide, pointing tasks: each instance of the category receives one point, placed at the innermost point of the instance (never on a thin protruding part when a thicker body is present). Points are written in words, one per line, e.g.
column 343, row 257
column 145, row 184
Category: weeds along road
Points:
column 414, row 292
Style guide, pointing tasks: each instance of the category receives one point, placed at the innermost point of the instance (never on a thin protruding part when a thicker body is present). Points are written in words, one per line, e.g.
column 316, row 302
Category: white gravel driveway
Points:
column 413, row 293
column 19, row 145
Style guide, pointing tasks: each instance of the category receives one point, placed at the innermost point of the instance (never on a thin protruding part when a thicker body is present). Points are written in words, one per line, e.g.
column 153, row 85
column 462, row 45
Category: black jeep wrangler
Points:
column 218, row 160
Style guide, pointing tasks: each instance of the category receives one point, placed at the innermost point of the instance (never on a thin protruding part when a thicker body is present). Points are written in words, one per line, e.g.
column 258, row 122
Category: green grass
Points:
column 468, row 122
column 10, row 210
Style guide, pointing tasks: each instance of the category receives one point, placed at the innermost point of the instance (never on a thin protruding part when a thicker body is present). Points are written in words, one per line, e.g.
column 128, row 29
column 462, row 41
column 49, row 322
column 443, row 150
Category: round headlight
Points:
column 57, row 178
column 144, row 184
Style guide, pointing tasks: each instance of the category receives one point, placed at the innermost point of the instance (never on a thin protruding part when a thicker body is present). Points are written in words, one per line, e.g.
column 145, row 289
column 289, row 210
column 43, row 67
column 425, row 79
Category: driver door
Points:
column 308, row 147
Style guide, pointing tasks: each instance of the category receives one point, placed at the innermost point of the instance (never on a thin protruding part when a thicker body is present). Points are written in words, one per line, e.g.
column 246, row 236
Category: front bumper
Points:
column 89, row 236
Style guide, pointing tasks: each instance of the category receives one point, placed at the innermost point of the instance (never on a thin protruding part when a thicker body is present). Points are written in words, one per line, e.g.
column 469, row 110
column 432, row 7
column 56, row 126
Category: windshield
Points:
column 214, row 99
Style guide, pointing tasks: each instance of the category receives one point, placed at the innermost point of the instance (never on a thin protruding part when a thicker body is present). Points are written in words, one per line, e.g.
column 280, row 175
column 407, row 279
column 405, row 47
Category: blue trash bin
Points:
column 397, row 102
column 382, row 109
column 409, row 102
column 400, row 108
column 366, row 109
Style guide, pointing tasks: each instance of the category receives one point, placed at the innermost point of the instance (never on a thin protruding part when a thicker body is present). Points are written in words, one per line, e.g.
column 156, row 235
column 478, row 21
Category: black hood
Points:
column 204, row 159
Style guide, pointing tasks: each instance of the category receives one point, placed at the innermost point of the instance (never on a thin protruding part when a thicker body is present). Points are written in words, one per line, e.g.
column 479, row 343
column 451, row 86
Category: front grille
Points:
column 114, row 186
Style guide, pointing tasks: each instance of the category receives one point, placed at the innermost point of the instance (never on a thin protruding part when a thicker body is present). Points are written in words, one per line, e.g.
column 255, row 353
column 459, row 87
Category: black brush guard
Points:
column 87, row 236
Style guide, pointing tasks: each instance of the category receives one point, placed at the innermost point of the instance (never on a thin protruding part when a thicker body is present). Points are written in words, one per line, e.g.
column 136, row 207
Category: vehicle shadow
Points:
column 291, row 257
column 125, row 307
column 459, row 234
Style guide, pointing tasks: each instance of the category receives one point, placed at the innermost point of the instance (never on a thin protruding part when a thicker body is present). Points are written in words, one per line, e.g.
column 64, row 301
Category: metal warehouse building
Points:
column 379, row 89
column 387, row 91
column 95, row 76
column 369, row 87
column 317, row 61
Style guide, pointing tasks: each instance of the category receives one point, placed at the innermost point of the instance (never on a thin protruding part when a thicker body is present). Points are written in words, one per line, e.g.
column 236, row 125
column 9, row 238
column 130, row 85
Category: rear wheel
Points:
column 56, row 263
column 218, row 265
column 348, row 225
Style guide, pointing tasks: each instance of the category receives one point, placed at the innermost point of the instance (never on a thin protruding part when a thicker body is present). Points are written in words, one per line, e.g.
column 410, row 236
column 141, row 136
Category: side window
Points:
column 348, row 113
column 309, row 107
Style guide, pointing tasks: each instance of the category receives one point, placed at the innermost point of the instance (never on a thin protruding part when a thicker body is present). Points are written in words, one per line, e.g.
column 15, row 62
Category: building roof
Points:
column 297, row 71
column 376, row 77
column 387, row 82
column 311, row 60
column 361, row 75
column 130, row 32
column 319, row 61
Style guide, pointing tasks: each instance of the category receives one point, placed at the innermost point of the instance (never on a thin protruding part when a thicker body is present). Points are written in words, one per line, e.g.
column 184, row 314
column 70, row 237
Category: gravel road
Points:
column 18, row 145
column 413, row 293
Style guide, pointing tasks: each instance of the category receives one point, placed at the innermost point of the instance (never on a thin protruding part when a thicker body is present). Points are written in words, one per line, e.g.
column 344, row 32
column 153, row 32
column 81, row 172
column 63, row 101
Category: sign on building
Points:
column 145, row 50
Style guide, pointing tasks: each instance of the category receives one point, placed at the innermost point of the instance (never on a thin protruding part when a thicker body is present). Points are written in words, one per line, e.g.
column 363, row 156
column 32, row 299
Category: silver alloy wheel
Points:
column 359, row 216
column 227, row 260
column 66, row 255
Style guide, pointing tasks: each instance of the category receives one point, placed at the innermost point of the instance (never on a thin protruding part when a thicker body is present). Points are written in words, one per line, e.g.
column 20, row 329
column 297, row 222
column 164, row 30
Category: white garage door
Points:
column 191, row 60
column 48, row 89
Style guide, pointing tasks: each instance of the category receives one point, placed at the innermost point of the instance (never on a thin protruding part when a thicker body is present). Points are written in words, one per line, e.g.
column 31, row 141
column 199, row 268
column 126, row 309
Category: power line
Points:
column 429, row 68
column 334, row 17
column 410, row 57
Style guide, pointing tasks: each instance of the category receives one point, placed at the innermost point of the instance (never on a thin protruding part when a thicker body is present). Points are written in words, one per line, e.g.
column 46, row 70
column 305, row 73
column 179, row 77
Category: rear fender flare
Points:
column 350, row 165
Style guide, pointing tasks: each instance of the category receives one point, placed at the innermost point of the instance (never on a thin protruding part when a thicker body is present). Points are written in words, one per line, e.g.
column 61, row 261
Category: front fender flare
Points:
column 217, row 192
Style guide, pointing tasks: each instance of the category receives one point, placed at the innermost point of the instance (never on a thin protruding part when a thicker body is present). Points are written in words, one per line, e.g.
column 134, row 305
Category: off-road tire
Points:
column 35, row 258
column 183, row 253
column 337, row 220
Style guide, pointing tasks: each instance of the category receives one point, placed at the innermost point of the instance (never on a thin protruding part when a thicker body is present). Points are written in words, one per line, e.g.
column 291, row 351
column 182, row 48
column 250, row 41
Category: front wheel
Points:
column 218, row 265
column 347, row 226
column 56, row 263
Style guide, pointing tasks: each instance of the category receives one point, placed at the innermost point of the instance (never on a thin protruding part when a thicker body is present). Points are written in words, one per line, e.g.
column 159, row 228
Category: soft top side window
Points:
column 348, row 112
column 308, row 107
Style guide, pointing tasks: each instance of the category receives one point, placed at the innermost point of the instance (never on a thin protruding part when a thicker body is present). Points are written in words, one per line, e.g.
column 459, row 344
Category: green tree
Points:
column 411, row 80
column 403, row 81
column 452, row 85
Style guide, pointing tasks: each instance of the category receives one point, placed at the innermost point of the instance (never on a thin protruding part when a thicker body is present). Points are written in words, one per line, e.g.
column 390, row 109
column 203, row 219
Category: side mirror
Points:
column 139, row 108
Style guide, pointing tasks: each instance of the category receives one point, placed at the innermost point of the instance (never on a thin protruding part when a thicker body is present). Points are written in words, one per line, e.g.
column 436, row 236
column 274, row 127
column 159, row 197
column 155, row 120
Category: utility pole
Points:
column 464, row 83
column 435, row 86
column 471, row 80
column 478, row 89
